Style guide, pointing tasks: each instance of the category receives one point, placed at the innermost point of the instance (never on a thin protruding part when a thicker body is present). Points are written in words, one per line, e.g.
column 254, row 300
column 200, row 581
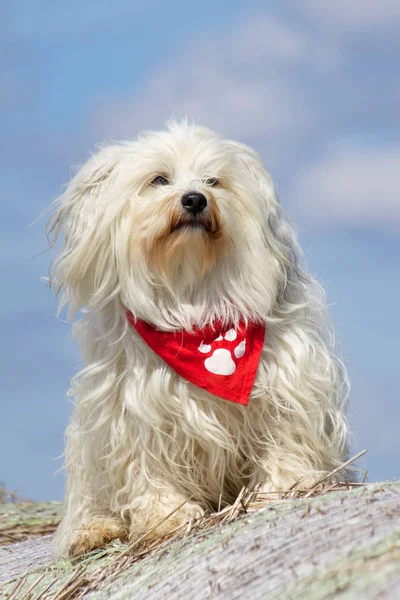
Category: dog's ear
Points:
column 83, row 270
column 266, row 196
column 280, row 234
column 252, row 165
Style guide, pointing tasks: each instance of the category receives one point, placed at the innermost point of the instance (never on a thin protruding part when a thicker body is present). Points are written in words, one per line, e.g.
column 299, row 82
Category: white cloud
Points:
column 272, row 43
column 262, row 37
column 239, row 83
column 287, row 90
column 353, row 15
column 352, row 186
column 234, row 105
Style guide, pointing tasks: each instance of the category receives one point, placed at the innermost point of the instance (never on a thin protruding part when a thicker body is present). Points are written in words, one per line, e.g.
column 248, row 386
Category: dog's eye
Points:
column 160, row 180
column 212, row 181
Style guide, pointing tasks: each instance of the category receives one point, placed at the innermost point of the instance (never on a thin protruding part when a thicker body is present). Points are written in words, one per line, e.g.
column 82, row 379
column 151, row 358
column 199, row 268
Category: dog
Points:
column 210, row 359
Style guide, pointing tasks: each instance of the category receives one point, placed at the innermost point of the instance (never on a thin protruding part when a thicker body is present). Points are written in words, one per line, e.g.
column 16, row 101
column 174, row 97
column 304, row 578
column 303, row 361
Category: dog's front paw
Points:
column 157, row 524
column 99, row 533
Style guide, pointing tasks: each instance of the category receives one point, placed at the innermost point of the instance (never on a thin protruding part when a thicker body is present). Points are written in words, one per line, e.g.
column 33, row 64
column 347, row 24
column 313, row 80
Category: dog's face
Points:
column 183, row 215
column 175, row 213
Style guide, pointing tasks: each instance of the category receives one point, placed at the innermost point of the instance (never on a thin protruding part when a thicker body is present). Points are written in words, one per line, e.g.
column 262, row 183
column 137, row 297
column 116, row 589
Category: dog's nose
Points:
column 194, row 202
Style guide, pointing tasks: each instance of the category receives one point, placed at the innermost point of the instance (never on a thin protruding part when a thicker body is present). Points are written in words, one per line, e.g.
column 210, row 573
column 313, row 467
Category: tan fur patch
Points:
column 178, row 237
column 97, row 534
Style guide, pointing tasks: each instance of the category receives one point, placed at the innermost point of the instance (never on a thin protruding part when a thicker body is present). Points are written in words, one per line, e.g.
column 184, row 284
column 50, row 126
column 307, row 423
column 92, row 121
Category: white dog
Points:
column 210, row 358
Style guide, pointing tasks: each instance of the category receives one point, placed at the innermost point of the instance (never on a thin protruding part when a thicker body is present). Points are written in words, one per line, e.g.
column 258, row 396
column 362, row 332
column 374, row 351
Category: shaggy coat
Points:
column 142, row 439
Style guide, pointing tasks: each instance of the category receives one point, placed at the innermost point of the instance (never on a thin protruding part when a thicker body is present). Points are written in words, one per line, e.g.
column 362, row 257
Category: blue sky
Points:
column 312, row 86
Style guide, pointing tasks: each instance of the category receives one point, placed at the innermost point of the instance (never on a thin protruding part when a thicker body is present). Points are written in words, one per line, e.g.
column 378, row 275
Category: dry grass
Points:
column 21, row 533
column 17, row 518
column 7, row 497
column 87, row 578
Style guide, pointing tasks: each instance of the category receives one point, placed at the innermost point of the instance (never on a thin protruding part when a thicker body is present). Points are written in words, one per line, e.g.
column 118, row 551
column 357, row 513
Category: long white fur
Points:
column 142, row 439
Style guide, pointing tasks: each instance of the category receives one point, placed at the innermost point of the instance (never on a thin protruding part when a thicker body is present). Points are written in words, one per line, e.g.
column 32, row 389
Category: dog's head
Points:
column 176, row 218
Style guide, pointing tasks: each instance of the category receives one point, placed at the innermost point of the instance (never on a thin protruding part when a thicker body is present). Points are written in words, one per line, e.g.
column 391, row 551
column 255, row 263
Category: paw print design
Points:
column 221, row 360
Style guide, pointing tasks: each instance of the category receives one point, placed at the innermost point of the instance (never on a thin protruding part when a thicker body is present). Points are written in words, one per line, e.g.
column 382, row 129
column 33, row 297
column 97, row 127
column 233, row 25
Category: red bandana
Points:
column 223, row 361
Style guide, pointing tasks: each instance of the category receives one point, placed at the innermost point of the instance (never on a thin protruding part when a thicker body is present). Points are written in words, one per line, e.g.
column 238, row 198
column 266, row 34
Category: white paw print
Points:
column 221, row 361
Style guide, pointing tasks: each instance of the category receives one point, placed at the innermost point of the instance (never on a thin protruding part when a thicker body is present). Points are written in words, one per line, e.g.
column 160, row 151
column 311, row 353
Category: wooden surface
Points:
column 343, row 545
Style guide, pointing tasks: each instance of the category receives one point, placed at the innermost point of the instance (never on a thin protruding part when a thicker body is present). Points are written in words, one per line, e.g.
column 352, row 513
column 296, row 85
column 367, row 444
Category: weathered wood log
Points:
column 340, row 545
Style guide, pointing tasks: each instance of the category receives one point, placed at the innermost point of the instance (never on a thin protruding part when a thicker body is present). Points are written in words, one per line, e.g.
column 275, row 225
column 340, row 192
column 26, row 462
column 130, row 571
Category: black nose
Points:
column 194, row 202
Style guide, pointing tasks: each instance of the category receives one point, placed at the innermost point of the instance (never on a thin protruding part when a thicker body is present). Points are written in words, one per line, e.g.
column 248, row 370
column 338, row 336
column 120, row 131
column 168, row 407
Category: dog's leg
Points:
column 81, row 535
column 301, row 416
column 299, row 456
column 90, row 521
column 83, row 529
column 98, row 533
column 282, row 472
column 158, row 515
column 301, row 452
